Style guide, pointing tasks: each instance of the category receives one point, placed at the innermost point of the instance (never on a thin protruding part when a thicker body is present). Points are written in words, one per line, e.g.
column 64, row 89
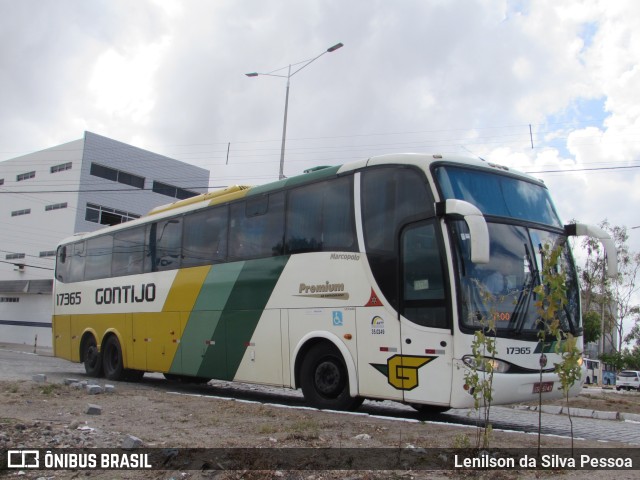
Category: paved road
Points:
column 19, row 363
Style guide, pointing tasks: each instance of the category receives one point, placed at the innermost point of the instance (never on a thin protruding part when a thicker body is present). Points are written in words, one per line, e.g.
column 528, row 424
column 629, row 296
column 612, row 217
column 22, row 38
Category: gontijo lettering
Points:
column 126, row 294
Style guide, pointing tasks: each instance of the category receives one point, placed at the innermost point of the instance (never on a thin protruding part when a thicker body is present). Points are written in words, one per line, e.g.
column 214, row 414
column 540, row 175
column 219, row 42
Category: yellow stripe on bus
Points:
column 185, row 289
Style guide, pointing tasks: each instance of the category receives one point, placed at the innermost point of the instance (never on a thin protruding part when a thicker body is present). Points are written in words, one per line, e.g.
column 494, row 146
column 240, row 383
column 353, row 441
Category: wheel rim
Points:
column 112, row 358
column 91, row 356
column 328, row 378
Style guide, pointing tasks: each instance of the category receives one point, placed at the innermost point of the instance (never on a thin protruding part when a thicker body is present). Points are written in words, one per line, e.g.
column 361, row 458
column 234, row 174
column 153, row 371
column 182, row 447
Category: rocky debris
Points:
column 46, row 434
column 130, row 442
column 93, row 409
column 94, row 389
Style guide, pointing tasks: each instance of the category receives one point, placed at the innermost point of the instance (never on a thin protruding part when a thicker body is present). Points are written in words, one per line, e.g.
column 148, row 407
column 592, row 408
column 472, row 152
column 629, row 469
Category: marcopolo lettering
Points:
column 126, row 294
column 345, row 256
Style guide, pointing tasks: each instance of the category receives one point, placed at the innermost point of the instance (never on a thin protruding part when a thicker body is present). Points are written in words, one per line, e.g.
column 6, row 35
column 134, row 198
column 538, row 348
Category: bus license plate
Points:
column 542, row 387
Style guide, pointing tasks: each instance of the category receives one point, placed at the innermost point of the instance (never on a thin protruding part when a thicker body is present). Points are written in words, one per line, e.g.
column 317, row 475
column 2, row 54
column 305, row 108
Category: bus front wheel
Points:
column 428, row 410
column 112, row 359
column 325, row 381
column 91, row 357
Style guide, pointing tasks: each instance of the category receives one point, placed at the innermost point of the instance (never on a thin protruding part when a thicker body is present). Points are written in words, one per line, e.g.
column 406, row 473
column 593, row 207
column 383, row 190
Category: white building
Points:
column 75, row 187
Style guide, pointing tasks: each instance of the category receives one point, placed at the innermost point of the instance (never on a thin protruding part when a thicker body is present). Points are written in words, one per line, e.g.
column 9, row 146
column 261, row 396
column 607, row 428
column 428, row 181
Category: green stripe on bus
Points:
column 233, row 330
column 204, row 319
column 294, row 181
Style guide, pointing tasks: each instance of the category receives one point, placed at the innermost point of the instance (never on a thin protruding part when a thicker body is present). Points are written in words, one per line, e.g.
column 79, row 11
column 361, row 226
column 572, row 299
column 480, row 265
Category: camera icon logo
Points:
column 23, row 459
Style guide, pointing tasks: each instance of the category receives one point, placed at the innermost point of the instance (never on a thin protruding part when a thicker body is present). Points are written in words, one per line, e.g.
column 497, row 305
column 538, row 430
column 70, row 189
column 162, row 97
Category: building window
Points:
column 107, row 216
column 172, row 191
column 1, row 181
column 14, row 256
column 61, row 168
column 48, row 253
column 119, row 176
column 17, row 213
column 55, row 206
column 25, row 176
column 9, row 299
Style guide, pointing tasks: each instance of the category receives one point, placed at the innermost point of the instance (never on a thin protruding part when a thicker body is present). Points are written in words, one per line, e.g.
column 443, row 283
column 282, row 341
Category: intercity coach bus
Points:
column 365, row 280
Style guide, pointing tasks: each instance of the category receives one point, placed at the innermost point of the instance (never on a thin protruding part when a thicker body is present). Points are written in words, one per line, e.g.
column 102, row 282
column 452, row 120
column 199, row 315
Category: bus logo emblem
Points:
column 402, row 370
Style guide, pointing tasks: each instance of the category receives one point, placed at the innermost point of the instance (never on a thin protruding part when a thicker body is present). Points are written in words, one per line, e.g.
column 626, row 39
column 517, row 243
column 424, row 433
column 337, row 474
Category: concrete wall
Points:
column 28, row 310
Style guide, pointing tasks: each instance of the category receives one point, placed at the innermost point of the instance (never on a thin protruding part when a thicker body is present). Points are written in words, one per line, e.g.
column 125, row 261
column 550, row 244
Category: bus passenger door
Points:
column 424, row 368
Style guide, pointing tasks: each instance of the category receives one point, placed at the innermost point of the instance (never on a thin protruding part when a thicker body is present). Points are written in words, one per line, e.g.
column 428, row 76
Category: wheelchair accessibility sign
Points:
column 337, row 319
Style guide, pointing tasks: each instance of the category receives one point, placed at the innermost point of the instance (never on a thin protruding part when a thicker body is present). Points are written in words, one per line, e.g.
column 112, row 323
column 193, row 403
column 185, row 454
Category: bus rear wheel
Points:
column 112, row 359
column 325, row 381
column 91, row 357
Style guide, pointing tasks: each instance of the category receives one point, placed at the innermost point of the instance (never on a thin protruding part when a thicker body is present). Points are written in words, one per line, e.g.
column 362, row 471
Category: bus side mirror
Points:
column 583, row 230
column 474, row 219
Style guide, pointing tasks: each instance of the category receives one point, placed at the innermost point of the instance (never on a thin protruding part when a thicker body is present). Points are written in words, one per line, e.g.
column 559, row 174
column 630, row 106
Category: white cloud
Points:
column 122, row 81
column 448, row 76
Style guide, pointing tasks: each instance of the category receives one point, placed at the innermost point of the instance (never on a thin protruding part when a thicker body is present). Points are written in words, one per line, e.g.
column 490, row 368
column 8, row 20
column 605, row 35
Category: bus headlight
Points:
column 486, row 364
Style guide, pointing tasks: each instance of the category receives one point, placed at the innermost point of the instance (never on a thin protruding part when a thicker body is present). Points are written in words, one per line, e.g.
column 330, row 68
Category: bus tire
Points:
column 91, row 356
column 112, row 359
column 428, row 410
column 325, row 380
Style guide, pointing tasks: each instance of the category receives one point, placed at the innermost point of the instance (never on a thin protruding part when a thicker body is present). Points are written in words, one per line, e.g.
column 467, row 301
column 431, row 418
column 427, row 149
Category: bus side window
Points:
column 76, row 269
column 391, row 198
column 320, row 217
column 63, row 264
column 98, row 257
column 205, row 237
column 168, row 244
column 424, row 293
column 256, row 227
column 128, row 252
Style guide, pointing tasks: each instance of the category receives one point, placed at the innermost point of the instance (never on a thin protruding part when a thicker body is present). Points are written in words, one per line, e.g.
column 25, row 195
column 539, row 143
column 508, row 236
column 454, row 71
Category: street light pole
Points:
column 288, row 76
column 284, row 127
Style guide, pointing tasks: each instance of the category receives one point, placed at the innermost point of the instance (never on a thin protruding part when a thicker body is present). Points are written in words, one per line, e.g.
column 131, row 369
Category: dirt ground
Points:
column 53, row 415
column 594, row 398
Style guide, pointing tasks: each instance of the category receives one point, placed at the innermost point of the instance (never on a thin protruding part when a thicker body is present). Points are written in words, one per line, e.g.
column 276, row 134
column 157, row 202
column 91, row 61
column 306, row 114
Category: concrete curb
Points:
column 581, row 412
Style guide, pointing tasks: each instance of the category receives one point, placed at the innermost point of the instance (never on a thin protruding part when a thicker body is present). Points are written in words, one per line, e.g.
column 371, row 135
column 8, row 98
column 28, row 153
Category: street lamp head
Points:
column 335, row 47
column 252, row 74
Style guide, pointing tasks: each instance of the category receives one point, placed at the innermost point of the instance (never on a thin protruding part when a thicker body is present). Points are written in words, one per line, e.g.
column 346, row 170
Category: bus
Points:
column 351, row 282
column 593, row 371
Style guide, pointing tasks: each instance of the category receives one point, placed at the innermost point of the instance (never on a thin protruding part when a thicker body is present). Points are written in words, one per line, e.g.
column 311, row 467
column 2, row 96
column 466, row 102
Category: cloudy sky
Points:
column 547, row 87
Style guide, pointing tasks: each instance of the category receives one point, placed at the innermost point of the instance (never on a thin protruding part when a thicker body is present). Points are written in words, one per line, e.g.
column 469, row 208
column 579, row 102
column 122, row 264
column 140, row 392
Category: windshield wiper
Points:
column 524, row 298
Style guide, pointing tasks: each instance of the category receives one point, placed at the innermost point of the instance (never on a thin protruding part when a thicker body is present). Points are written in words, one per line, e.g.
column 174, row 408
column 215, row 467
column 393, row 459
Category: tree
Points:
column 551, row 298
column 612, row 299
column 592, row 329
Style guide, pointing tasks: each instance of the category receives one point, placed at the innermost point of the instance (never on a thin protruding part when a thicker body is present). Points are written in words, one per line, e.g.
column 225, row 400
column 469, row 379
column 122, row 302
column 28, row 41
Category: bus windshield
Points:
column 498, row 195
column 503, row 288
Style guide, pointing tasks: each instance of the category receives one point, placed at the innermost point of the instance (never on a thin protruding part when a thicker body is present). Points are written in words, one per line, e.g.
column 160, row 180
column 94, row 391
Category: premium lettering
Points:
column 126, row 294
column 321, row 288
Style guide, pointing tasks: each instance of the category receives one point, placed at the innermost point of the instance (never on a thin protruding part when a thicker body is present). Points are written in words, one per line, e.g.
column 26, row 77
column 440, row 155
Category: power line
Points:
column 18, row 264
column 584, row 169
